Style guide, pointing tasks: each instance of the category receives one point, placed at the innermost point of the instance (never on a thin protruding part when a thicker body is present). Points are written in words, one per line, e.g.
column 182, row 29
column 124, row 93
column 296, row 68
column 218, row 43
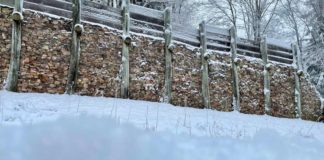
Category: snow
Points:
column 43, row 126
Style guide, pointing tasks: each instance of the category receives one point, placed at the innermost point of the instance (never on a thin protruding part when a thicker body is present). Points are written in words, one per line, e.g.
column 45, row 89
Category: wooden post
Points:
column 236, row 88
column 168, row 47
column 204, row 64
column 77, row 30
column 266, row 76
column 12, row 77
column 298, row 73
column 125, row 51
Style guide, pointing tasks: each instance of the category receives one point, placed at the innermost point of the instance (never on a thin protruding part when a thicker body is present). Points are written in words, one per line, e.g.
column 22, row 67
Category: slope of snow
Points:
column 44, row 126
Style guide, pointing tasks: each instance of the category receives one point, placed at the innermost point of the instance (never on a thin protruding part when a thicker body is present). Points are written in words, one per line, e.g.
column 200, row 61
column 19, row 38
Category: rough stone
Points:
column 186, row 80
column 146, row 69
column 44, row 65
column 251, row 86
column 311, row 104
column 5, row 43
column 220, row 82
column 100, row 60
column 282, row 91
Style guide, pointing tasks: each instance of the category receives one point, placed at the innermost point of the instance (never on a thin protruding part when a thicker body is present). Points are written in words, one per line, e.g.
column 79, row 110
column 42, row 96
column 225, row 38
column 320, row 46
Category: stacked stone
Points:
column 100, row 60
column 220, row 82
column 5, row 43
column 251, row 86
column 44, row 54
column 311, row 104
column 186, row 79
column 282, row 86
column 146, row 69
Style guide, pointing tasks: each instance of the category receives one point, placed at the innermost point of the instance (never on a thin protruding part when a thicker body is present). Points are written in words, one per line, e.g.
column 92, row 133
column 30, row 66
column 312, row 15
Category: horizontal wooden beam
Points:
column 10, row 3
column 147, row 14
column 53, row 3
column 216, row 30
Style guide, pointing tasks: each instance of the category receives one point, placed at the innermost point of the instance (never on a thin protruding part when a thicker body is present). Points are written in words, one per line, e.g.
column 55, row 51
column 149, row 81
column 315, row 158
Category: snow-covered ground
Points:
column 44, row 126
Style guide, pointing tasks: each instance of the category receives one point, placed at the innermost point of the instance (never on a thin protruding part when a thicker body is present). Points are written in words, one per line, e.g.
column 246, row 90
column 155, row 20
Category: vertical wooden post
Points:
column 77, row 30
column 12, row 77
column 266, row 76
column 168, row 47
column 125, row 51
column 298, row 73
column 204, row 64
column 236, row 88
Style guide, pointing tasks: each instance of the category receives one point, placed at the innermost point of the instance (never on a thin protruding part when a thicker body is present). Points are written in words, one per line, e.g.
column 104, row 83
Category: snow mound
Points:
column 88, row 137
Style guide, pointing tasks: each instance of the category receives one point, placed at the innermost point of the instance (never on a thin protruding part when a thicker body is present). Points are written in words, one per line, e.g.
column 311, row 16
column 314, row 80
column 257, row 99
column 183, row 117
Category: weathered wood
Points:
column 297, row 74
column 266, row 75
column 280, row 54
column 77, row 30
column 151, row 15
column 280, row 59
column 125, row 51
column 179, row 37
column 168, row 47
column 53, row 3
column 216, row 30
column 48, row 9
column 235, row 84
column 204, row 65
column 10, row 3
column 12, row 77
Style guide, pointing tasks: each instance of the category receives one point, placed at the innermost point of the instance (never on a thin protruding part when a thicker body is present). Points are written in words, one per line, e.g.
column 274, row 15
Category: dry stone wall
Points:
column 44, row 54
column 282, row 91
column 45, row 61
column 146, row 69
column 186, row 78
column 251, row 84
column 5, row 43
column 310, row 103
column 100, row 60
column 220, row 82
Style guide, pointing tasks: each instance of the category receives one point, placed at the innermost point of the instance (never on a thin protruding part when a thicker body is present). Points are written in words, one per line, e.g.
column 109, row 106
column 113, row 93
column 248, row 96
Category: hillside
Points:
column 44, row 126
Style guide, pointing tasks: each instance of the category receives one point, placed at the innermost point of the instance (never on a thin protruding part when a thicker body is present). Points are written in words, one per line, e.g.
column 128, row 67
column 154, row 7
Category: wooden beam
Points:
column 168, row 48
column 204, row 65
column 77, row 30
column 10, row 3
column 298, row 73
column 17, row 17
column 125, row 51
column 235, row 84
column 266, row 75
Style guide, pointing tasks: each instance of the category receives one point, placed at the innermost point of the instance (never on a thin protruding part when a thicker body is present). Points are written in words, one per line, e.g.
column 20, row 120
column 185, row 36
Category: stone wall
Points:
column 310, row 103
column 146, row 69
column 5, row 43
column 220, row 78
column 282, row 91
column 46, row 53
column 186, row 78
column 251, row 84
column 99, row 62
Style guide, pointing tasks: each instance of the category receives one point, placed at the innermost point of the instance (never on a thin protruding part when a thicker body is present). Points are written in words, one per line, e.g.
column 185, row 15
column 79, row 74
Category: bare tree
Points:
column 292, row 13
column 258, row 14
column 227, row 8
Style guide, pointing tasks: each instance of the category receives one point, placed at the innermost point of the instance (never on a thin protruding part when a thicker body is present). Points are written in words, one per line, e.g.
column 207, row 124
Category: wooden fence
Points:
column 157, row 23
column 149, row 21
